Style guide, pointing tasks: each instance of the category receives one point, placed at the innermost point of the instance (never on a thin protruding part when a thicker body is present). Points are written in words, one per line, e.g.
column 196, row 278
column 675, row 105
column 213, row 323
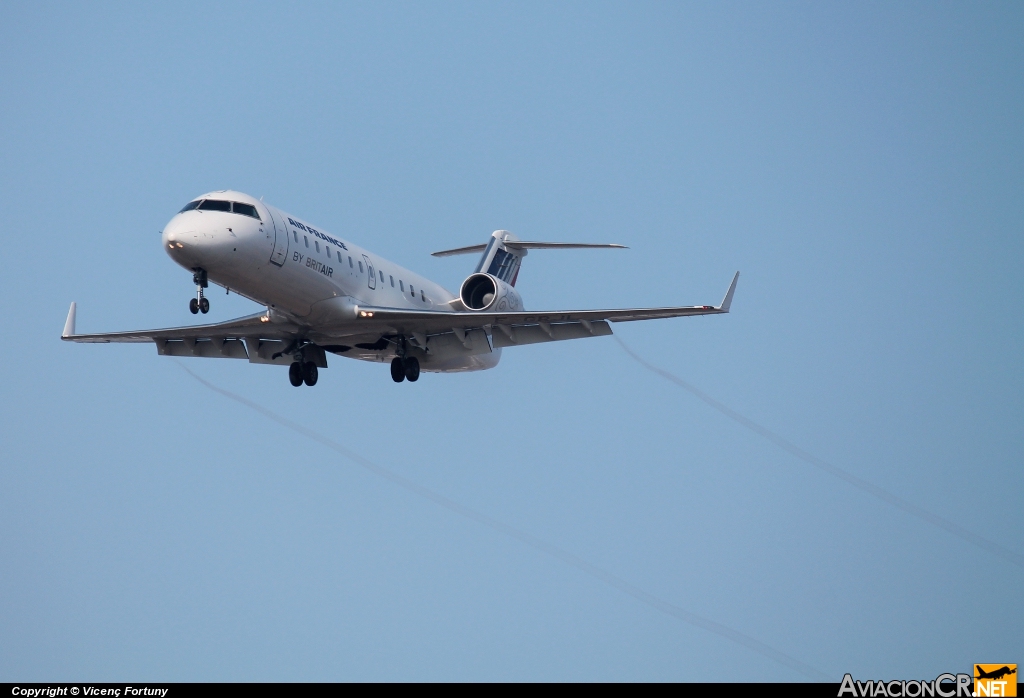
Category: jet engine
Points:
column 487, row 292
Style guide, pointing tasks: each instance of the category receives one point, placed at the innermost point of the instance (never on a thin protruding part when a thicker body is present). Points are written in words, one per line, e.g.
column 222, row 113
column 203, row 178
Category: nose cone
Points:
column 192, row 242
column 176, row 235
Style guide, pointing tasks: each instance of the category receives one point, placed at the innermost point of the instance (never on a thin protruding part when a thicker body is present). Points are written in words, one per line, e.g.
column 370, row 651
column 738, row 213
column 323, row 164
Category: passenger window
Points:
column 317, row 245
column 191, row 205
column 306, row 239
column 422, row 297
column 339, row 256
column 360, row 267
column 211, row 205
column 412, row 291
column 402, row 285
column 350, row 261
column 296, row 234
column 392, row 282
column 245, row 210
column 382, row 277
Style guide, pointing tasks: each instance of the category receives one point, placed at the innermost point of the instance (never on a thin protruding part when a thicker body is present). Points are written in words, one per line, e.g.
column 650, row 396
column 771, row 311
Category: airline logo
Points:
column 995, row 680
column 313, row 231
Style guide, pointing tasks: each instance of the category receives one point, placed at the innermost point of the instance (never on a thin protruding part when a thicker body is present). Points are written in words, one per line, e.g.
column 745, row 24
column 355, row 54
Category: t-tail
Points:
column 503, row 253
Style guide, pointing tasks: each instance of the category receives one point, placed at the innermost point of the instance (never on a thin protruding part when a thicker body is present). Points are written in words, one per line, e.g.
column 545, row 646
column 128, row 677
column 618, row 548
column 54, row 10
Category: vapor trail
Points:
column 859, row 483
column 536, row 543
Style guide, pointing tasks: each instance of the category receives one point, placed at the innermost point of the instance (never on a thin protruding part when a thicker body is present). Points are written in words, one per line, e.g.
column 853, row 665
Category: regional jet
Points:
column 326, row 295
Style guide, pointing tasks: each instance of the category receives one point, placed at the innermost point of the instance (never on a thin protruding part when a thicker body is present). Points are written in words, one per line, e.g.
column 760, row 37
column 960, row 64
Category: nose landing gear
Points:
column 200, row 303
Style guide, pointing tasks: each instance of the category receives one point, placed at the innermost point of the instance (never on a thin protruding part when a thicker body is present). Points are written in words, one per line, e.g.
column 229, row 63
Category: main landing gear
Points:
column 200, row 303
column 303, row 372
column 409, row 367
column 404, row 366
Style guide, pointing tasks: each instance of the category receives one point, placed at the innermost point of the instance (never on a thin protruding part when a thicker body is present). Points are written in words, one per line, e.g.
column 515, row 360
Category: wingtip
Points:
column 69, row 324
column 727, row 301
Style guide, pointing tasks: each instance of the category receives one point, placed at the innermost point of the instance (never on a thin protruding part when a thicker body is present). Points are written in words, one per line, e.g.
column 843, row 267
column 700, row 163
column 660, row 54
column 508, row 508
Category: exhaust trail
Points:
column 532, row 541
column 861, row 484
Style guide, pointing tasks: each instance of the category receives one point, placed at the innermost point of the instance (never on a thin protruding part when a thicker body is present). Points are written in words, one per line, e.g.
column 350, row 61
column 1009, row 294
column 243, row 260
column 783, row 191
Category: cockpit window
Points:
column 214, row 205
column 228, row 206
column 245, row 210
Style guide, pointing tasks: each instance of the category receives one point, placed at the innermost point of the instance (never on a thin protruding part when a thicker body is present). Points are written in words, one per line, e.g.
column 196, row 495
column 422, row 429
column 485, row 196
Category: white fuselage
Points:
column 290, row 266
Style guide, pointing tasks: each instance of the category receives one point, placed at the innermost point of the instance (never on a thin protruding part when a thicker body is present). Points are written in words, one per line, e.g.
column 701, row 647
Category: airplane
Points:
column 325, row 295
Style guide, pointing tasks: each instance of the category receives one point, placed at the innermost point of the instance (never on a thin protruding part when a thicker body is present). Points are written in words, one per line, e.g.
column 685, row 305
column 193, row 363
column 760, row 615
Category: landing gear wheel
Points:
column 295, row 374
column 309, row 373
column 397, row 370
column 412, row 369
column 193, row 306
column 204, row 305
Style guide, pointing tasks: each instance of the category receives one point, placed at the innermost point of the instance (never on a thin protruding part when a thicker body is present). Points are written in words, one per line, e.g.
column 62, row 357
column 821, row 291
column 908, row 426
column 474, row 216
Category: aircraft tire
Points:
column 204, row 306
column 397, row 370
column 412, row 369
column 310, row 373
column 193, row 306
column 295, row 374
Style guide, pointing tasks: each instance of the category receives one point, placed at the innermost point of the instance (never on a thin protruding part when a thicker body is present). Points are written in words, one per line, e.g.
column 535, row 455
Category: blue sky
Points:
column 861, row 164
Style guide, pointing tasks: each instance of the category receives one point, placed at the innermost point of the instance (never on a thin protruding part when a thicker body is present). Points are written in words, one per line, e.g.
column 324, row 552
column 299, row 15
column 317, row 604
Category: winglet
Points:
column 69, row 326
column 727, row 301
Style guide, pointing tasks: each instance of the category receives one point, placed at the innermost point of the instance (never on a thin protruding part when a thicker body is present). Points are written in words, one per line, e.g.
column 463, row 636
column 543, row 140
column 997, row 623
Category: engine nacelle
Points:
column 486, row 292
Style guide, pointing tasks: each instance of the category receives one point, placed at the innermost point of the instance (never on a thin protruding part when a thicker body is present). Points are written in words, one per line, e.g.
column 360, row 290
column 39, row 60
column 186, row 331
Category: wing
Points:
column 253, row 337
column 523, row 327
column 255, row 325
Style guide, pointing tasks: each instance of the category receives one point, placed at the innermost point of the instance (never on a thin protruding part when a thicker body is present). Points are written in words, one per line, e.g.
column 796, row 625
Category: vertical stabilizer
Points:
column 500, row 259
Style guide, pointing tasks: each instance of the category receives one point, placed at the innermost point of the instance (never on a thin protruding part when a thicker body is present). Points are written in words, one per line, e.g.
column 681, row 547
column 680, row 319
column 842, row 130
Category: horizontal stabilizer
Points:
column 521, row 245
column 460, row 250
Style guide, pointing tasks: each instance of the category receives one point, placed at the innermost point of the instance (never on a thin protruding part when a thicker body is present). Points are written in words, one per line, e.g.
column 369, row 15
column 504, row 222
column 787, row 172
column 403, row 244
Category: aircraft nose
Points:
column 191, row 244
column 177, row 234
column 181, row 241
